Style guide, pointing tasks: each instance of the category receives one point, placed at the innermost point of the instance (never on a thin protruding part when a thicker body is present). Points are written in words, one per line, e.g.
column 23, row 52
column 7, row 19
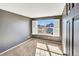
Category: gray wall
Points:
column 14, row 29
column 54, row 38
column 64, row 35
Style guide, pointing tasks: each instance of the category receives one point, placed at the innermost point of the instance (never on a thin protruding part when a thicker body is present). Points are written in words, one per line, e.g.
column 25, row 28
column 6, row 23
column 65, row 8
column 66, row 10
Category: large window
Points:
column 46, row 27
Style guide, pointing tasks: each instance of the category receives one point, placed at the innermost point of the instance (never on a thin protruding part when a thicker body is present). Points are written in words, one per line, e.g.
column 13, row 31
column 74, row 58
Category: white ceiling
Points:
column 34, row 10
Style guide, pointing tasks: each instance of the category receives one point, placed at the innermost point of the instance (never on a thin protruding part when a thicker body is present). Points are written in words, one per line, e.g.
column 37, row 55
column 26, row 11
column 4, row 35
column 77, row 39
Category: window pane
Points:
column 46, row 27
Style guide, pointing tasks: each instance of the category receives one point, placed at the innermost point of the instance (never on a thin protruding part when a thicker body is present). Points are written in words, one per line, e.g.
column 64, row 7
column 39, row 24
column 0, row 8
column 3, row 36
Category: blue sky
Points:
column 47, row 21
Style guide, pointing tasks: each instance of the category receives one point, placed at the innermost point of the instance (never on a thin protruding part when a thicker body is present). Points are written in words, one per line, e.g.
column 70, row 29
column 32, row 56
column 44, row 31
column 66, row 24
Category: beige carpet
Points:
column 37, row 47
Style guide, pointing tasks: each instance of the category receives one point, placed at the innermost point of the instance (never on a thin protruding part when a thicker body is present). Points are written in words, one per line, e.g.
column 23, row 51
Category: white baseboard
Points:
column 15, row 46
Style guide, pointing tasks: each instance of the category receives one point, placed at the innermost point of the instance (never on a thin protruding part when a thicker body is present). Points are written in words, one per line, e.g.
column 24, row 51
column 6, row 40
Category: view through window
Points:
column 45, row 26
